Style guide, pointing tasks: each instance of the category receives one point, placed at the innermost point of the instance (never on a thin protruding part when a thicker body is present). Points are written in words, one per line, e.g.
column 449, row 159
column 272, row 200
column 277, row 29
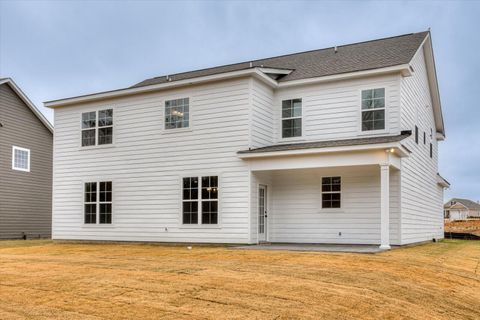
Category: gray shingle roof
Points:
column 368, row 55
column 326, row 144
column 472, row 205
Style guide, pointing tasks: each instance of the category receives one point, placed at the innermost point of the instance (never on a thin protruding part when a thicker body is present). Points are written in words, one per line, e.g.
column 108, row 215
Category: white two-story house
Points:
column 338, row 145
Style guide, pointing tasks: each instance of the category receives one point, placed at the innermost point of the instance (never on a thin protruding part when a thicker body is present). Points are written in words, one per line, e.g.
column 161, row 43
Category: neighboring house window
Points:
column 98, row 202
column 292, row 118
column 97, row 132
column 200, row 200
column 331, row 192
column 431, row 150
column 373, row 109
column 20, row 159
column 177, row 113
column 416, row 134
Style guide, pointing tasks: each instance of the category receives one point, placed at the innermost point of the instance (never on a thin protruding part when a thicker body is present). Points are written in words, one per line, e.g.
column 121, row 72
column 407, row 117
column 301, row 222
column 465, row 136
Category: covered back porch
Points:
column 333, row 197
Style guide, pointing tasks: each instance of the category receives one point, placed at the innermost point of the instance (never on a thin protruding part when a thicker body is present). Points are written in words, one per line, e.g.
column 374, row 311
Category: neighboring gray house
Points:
column 461, row 209
column 26, row 147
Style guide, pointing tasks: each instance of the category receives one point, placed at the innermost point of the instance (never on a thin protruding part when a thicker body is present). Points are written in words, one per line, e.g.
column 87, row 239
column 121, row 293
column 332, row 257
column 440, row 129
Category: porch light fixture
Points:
column 391, row 150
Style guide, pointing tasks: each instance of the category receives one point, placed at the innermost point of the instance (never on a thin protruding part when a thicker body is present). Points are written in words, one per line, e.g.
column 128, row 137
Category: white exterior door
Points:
column 262, row 213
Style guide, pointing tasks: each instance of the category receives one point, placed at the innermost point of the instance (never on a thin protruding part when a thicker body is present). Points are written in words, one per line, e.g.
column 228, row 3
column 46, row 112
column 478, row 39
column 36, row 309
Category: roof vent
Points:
column 251, row 64
column 335, row 49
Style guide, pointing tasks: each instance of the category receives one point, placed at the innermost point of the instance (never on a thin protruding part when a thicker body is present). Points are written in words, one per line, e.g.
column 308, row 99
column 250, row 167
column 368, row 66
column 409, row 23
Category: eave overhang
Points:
column 441, row 181
column 427, row 48
column 28, row 102
column 260, row 73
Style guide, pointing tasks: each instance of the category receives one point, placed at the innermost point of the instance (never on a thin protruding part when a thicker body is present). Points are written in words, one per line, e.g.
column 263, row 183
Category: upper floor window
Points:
column 292, row 118
column 97, row 132
column 331, row 192
column 200, row 200
column 98, row 202
column 373, row 109
column 177, row 113
column 416, row 134
column 20, row 159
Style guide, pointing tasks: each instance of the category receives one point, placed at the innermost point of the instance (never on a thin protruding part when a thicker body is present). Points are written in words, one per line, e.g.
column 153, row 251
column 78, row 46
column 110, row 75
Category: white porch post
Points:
column 385, row 206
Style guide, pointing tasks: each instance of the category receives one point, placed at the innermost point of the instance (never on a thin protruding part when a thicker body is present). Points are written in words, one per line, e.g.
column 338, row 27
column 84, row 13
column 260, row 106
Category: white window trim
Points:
column 97, row 223
column 164, row 113
column 13, row 159
column 96, row 145
column 335, row 210
column 301, row 136
column 199, row 225
column 360, row 114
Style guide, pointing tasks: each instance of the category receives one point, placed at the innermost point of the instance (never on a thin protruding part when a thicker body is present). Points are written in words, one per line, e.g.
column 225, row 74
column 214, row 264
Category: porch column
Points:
column 385, row 206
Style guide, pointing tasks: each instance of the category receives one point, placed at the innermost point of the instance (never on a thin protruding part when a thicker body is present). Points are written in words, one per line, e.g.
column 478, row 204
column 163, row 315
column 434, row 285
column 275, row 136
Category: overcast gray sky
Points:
column 55, row 49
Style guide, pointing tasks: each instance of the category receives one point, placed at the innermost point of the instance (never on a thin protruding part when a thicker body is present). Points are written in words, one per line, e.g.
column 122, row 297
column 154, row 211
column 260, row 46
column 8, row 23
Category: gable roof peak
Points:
column 27, row 101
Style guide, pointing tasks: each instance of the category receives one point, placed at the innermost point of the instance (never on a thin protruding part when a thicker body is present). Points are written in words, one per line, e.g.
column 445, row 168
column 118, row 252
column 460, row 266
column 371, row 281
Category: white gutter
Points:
column 404, row 69
column 398, row 149
column 257, row 72
column 156, row 87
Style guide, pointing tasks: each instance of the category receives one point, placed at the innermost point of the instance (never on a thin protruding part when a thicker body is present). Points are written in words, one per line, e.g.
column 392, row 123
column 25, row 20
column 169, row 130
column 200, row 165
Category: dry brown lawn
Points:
column 51, row 280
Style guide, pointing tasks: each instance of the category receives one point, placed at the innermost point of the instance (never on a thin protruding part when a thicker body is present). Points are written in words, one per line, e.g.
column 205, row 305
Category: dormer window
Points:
column 373, row 109
column 292, row 118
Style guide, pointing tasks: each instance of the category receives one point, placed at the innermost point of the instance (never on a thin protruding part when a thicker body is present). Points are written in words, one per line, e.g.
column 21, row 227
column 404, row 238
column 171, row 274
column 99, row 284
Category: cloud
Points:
column 56, row 49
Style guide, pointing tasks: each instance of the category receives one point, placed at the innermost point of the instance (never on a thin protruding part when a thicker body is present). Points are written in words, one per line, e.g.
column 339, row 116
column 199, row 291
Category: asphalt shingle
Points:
column 326, row 144
column 472, row 205
column 362, row 56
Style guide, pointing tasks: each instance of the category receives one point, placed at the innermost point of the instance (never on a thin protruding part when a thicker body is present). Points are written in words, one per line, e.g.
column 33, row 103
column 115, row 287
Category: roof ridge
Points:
column 280, row 56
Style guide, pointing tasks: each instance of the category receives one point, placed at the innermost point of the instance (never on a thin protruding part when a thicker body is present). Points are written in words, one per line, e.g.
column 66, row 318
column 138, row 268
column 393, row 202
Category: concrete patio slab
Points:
column 313, row 247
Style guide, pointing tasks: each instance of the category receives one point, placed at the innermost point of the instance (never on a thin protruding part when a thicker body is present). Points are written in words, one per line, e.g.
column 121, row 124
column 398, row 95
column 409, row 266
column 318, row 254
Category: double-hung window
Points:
column 200, row 200
column 20, row 159
column 291, row 118
column 177, row 113
column 373, row 109
column 97, row 127
column 98, row 202
column 331, row 192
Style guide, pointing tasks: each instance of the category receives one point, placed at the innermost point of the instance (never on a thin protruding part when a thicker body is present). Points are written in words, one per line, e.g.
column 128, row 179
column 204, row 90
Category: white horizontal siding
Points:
column 422, row 198
column 333, row 110
column 146, row 164
column 262, row 123
column 295, row 207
